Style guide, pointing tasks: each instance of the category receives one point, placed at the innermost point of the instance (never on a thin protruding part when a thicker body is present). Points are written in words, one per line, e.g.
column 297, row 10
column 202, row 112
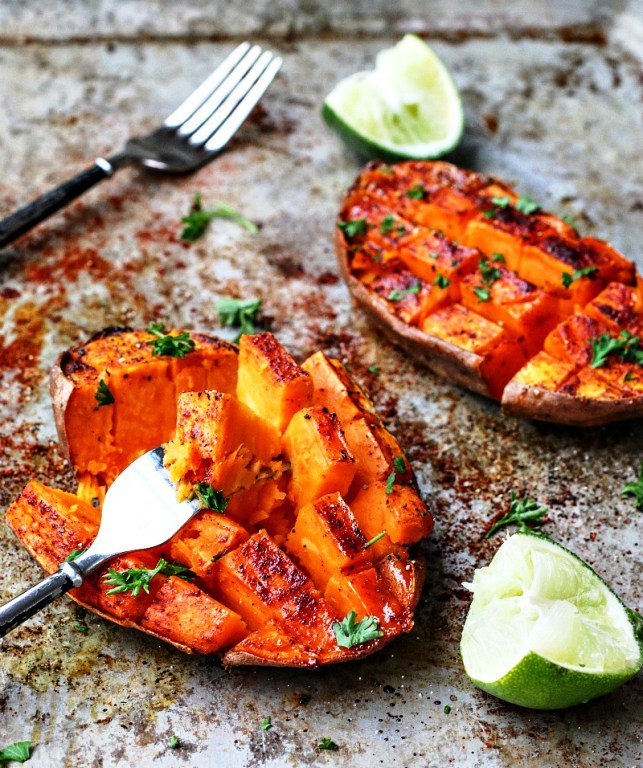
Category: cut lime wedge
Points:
column 407, row 108
column 544, row 631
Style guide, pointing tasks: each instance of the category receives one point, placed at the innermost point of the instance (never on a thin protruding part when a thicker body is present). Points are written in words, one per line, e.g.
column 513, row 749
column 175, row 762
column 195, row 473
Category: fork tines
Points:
column 211, row 115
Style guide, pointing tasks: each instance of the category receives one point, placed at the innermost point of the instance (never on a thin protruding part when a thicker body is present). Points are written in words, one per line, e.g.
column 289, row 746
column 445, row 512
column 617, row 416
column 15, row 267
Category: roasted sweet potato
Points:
column 464, row 273
column 310, row 508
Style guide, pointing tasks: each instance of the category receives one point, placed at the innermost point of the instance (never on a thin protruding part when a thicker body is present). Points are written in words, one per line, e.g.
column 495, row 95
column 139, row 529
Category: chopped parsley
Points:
column 266, row 723
column 198, row 218
column 483, row 294
column 635, row 489
column 354, row 228
column 629, row 377
column 441, row 281
column 102, row 395
column 525, row 204
column 80, row 628
column 18, row 752
column 400, row 464
column 328, row 744
column 74, row 554
column 375, row 539
column 166, row 345
column 625, row 345
column 374, row 369
column 568, row 279
column 389, row 482
column 397, row 295
column 218, row 556
column 238, row 313
column 433, row 255
column 520, row 512
column 174, row 742
column 416, row 192
column 488, row 273
column 349, row 633
column 209, row 497
column 447, row 709
column 498, row 257
column 134, row 579
column 387, row 224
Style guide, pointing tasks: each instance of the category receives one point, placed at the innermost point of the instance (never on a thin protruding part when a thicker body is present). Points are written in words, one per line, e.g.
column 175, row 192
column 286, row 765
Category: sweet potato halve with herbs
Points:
column 304, row 552
column 477, row 280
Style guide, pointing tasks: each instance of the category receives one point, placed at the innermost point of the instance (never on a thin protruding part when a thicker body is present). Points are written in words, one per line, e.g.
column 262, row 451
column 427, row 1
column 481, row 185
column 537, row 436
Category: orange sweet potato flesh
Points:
column 290, row 555
column 463, row 273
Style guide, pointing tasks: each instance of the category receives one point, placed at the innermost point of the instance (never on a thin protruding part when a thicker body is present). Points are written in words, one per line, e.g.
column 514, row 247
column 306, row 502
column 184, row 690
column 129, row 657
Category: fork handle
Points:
column 42, row 207
column 38, row 597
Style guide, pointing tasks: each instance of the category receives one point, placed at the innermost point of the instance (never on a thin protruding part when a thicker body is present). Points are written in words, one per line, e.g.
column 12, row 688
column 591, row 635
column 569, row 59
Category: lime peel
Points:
column 544, row 631
column 408, row 107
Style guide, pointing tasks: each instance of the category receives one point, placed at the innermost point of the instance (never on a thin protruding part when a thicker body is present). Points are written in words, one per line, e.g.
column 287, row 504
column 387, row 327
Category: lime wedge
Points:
column 544, row 631
column 407, row 108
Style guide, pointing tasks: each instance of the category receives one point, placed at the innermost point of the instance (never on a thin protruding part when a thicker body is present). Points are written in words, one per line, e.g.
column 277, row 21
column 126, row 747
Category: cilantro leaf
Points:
column 174, row 742
column 520, row 512
column 354, row 228
column 625, row 345
column 483, row 294
column 387, row 224
column 498, row 257
column 488, row 273
column 389, row 482
column 397, row 295
column 210, row 498
column 501, row 202
column 198, row 218
column 75, row 554
column 349, row 633
column 525, row 204
column 568, row 279
column 327, row 743
column 166, row 345
column 416, row 192
column 635, row 489
column 102, row 395
column 399, row 463
column 266, row 723
column 238, row 313
column 134, row 579
column 441, row 281
column 18, row 752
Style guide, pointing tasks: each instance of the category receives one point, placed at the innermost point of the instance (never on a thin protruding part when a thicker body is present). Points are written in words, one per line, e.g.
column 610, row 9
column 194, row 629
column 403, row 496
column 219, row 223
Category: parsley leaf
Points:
column 174, row 742
column 499, row 258
column 374, row 369
column 627, row 346
column 488, row 273
column 74, row 554
column 348, row 633
column 525, row 204
column 327, row 743
column 520, row 511
column 198, row 218
column 568, row 279
column 166, row 345
column 18, row 752
column 397, row 295
column 353, row 228
column 441, row 281
column 501, row 202
column 387, row 224
column 266, row 723
column 389, row 482
column 400, row 464
column 102, row 395
column 210, row 498
column 238, row 313
column 483, row 294
column 635, row 489
column 416, row 192
column 375, row 539
column 134, row 579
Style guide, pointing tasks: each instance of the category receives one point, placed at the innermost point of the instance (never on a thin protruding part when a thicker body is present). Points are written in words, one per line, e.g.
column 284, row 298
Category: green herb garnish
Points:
column 102, row 395
column 416, row 192
column 501, row 202
column 354, row 228
column 80, row 628
column 397, row 295
column 348, row 633
column 488, row 273
column 375, row 539
column 447, row 709
column 374, row 369
column 198, row 218
column 625, row 345
column 209, row 497
column 520, row 511
column 483, row 294
column 525, row 204
column 387, row 224
column 74, row 554
column 635, row 489
column 400, row 464
column 174, row 742
column 239, row 313
column 389, row 482
column 568, row 279
column 441, row 281
column 166, row 345
column 498, row 257
column 18, row 752
column 266, row 723
column 327, row 743
column 134, row 579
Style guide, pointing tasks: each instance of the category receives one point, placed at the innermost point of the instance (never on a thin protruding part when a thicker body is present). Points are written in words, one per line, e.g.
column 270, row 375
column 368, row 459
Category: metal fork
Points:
column 190, row 137
column 140, row 511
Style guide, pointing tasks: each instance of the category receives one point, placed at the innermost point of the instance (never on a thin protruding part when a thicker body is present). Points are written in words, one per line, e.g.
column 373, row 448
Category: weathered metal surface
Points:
column 559, row 119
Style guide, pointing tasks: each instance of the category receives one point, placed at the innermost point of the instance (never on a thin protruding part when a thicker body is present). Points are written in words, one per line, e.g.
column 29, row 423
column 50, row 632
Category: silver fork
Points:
column 140, row 511
column 190, row 137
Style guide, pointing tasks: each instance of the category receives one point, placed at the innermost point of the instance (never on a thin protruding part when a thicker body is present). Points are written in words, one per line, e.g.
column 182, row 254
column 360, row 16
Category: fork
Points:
column 190, row 137
column 140, row 511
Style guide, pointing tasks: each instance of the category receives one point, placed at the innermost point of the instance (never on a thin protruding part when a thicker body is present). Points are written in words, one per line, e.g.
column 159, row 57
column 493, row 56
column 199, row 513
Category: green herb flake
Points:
column 629, row 377
column 18, row 752
column 488, row 273
column 375, row 539
column 209, row 497
column 218, row 556
column 174, row 743
column 102, row 395
column 166, row 345
column 416, row 192
column 483, row 294
column 266, row 723
column 433, row 255
column 499, row 258
column 374, row 369
column 501, row 202
column 386, row 170
column 489, row 213
column 635, row 489
column 397, row 295
column 354, row 228
column 80, row 628
column 75, row 553
column 447, row 709
column 389, row 482
column 520, row 512
column 387, row 224
column 568, row 279
column 399, row 462
column 136, row 579
column 349, row 633
column 328, row 744
column 525, row 204
column 238, row 313
column 197, row 220
column 441, row 281
column 625, row 345
column 572, row 223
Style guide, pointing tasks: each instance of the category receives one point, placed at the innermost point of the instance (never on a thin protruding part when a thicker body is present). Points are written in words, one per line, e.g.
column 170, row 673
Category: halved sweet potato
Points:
column 464, row 273
column 280, row 557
